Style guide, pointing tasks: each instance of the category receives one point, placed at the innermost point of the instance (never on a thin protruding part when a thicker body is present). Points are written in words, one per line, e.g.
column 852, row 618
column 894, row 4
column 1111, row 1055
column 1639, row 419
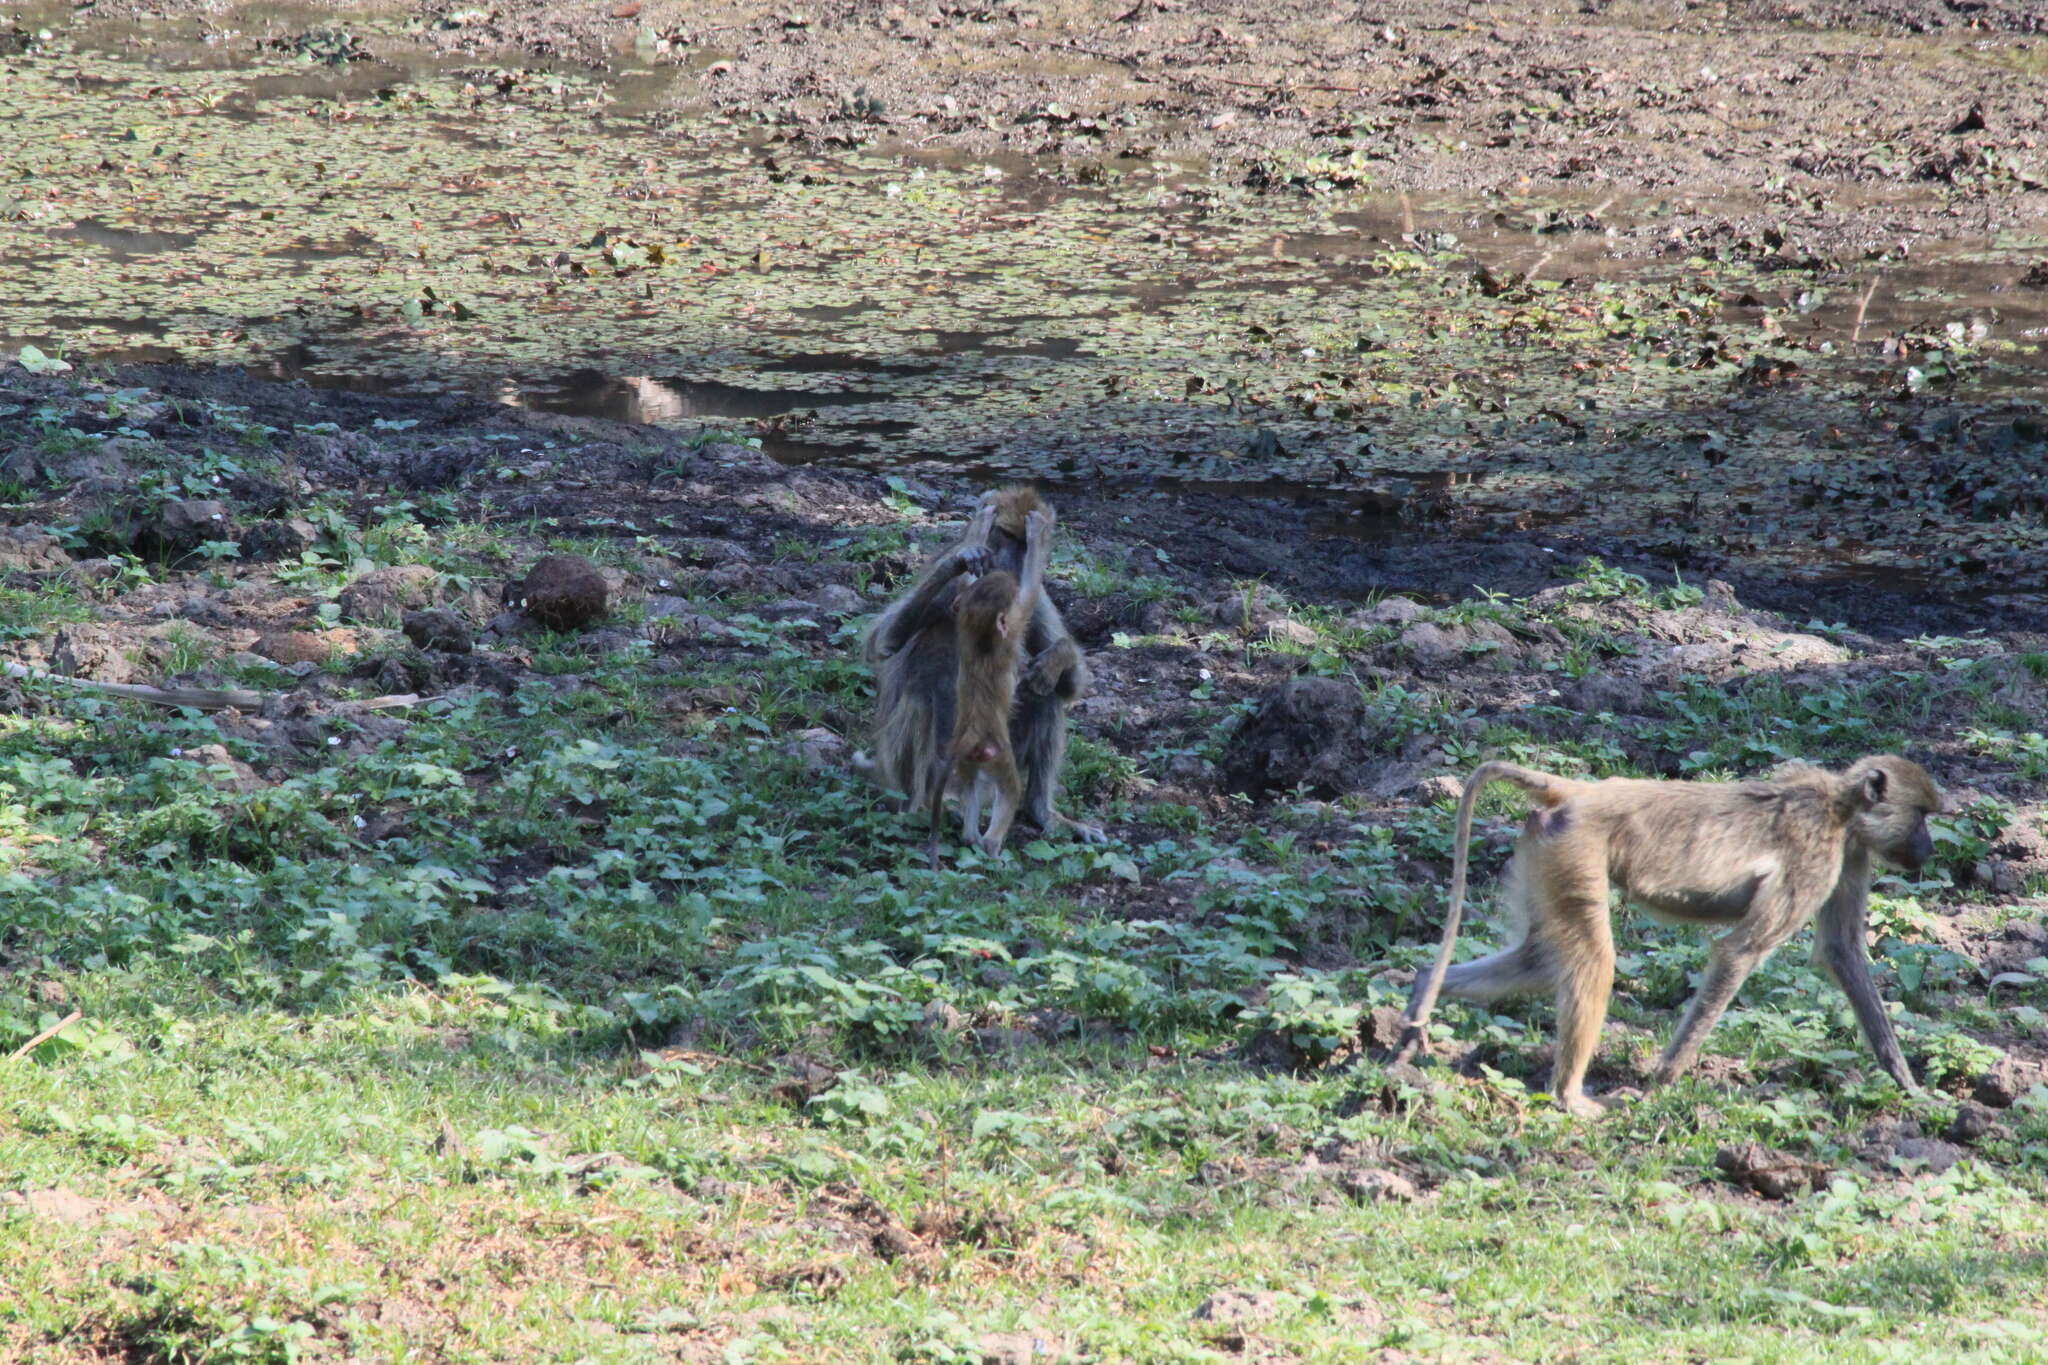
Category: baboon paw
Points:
column 974, row 561
column 1088, row 834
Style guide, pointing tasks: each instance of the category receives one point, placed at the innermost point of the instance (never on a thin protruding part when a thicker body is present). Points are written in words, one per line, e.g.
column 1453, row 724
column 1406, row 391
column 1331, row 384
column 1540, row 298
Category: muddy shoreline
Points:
column 1680, row 285
column 1836, row 118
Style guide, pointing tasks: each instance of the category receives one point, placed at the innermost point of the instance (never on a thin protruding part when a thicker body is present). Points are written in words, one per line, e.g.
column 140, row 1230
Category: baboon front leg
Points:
column 1726, row 971
column 1841, row 949
column 1775, row 916
column 1733, row 958
column 901, row 621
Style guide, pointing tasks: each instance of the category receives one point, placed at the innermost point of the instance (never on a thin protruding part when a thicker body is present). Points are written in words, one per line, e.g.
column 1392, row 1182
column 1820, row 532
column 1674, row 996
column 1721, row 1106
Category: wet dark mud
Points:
column 1747, row 290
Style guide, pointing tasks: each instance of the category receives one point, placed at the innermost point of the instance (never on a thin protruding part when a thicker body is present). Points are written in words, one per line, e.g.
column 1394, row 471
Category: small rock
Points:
column 1997, row 876
column 819, row 748
column 1287, row 630
column 1308, row 732
column 438, row 628
column 1771, row 1173
column 1018, row 1348
column 688, row 625
column 893, row 1242
column 1431, row 646
column 1245, row 609
column 658, row 607
column 1394, row 611
column 1971, row 1123
column 1373, row 1185
column 224, row 769
column 708, row 550
column 26, row 549
column 610, row 640
column 101, row 653
column 996, row 1039
column 1442, row 787
column 186, row 524
column 730, row 458
column 90, row 573
column 2000, row 1087
column 788, row 609
column 941, row 1019
column 282, row 539
column 310, row 647
column 1938, row 1154
column 1382, row 1027
column 508, row 625
column 1598, row 692
column 1242, row 1306
column 565, row 592
column 836, row 599
column 802, row 1081
column 381, row 596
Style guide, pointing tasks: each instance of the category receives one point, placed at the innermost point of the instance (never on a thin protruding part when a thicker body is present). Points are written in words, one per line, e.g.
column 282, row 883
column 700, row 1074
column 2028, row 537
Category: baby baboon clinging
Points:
column 912, row 647
column 1755, row 858
column 992, row 615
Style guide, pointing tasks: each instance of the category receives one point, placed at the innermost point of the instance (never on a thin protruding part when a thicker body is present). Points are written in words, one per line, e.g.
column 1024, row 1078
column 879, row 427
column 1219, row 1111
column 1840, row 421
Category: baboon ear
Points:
column 1874, row 785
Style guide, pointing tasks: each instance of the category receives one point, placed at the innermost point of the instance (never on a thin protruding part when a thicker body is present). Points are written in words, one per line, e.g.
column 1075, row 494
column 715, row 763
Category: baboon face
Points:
column 1895, row 826
column 983, row 606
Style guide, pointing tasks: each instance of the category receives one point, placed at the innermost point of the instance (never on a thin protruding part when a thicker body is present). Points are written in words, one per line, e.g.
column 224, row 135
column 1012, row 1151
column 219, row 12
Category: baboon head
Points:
column 984, row 608
column 1896, row 796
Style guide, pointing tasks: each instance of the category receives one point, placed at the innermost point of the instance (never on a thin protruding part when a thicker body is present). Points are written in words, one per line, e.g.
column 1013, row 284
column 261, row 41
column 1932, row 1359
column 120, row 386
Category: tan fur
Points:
column 992, row 617
column 1758, row 859
column 912, row 647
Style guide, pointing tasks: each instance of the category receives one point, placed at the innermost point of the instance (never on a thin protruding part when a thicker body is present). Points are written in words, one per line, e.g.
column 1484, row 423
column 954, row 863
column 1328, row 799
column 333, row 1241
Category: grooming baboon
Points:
column 912, row 649
column 1756, row 858
column 979, row 760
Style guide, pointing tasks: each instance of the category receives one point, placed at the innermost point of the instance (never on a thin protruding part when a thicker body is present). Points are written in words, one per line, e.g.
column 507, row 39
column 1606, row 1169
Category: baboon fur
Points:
column 912, row 648
column 1756, row 859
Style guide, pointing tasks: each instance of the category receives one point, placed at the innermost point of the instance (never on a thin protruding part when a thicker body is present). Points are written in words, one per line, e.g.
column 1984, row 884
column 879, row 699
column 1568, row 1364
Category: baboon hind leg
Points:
column 1576, row 930
column 1519, row 969
column 970, row 807
column 1038, row 731
column 1008, row 790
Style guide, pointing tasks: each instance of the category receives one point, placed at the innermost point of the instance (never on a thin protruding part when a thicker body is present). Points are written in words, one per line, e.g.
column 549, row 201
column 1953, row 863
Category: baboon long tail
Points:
column 1547, row 791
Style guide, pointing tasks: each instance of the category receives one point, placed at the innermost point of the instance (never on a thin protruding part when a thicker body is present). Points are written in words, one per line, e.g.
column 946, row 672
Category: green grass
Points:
column 594, row 1023
column 472, row 1046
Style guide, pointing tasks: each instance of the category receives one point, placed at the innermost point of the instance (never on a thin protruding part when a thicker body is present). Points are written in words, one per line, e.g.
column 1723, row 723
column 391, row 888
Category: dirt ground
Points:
column 1835, row 119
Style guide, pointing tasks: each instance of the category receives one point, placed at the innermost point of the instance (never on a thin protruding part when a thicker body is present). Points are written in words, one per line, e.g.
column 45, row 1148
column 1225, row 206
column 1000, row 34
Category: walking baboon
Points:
column 912, row 648
column 979, row 759
column 1755, row 858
